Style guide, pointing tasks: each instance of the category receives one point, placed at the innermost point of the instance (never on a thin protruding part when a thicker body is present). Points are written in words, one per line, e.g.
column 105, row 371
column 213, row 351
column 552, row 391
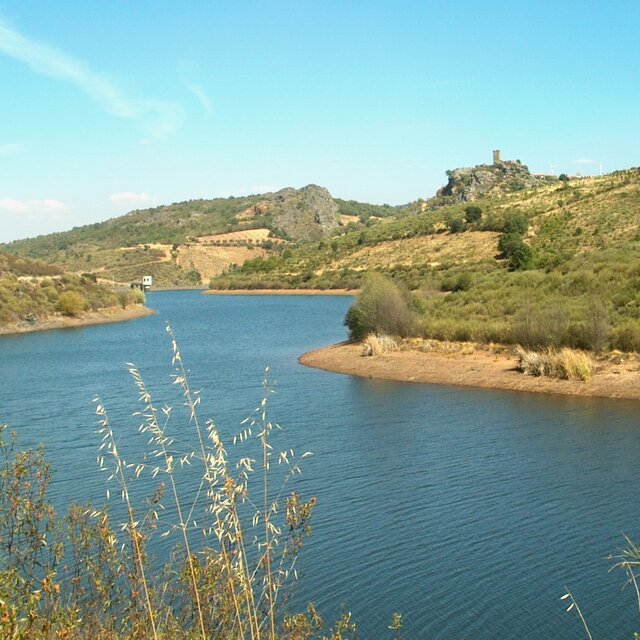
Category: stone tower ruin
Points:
column 496, row 156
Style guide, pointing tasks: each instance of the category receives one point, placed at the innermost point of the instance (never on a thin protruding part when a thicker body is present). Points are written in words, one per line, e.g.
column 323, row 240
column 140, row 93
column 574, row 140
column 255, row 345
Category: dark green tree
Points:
column 472, row 214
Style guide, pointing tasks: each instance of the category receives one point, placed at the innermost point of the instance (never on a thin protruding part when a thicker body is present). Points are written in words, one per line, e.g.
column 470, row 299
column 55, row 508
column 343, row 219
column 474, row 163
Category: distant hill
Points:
column 189, row 242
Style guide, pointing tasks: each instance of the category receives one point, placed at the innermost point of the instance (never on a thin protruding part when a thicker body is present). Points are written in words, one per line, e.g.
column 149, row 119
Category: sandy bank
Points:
column 197, row 287
column 104, row 316
column 281, row 292
column 474, row 368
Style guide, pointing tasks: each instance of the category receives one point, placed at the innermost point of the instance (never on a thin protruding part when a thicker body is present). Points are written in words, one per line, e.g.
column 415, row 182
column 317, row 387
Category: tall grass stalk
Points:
column 226, row 492
column 109, row 444
column 574, row 605
column 215, row 466
column 152, row 424
column 629, row 562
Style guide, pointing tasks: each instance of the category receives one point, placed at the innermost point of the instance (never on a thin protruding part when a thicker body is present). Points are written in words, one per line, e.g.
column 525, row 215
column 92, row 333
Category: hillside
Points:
column 187, row 243
column 558, row 263
column 33, row 293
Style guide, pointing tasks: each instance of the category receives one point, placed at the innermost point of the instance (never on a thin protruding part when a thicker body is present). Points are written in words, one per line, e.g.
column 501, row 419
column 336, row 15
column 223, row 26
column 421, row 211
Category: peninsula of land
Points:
column 615, row 377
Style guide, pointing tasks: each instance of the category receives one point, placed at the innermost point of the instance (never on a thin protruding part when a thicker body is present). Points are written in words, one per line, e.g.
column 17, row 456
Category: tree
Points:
column 522, row 258
column 382, row 306
column 472, row 214
column 456, row 225
column 516, row 223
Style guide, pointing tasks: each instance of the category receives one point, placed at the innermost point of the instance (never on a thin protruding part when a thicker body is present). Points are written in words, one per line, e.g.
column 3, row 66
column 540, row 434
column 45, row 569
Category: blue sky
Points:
column 112, row 106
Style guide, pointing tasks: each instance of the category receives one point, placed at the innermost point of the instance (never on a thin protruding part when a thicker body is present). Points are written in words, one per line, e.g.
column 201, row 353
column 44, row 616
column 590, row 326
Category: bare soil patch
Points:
column 246, row 235
column 210, row 260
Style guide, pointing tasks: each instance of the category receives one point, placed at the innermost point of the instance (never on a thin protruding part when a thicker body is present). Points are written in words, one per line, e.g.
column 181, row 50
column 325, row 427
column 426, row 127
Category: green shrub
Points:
column 71, row 303
column 382, row 307
column 520, row 255
column 509, row 243
column 455, row 224
column 472, row 214
column 516, row 223
column 626, row 336
column 522, row 258
column 594, row 330
column 136, row 296
column 459, row 282
column 541, row 326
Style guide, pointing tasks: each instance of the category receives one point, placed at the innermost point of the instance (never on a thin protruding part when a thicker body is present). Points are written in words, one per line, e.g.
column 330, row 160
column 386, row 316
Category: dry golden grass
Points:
column 443, row 346
column 566, row 364
column 456, row 248
column 345, row 219
column 246, row 235
column 375, row 344
column 210, row 260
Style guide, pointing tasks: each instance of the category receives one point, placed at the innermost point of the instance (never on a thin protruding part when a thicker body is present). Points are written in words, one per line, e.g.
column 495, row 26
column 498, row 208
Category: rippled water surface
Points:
column 466, row 510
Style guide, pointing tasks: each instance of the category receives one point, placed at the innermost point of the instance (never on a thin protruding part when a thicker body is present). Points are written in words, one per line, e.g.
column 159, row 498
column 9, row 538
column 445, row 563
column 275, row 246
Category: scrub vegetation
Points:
column 33, row 291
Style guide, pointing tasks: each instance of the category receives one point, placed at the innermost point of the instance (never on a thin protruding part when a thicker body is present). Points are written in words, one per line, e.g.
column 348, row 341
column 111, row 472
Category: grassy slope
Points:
column 585, row 235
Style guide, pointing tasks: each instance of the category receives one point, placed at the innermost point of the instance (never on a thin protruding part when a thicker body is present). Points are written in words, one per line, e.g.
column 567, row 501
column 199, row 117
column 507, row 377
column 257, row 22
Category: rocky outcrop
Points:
column 307, row 214
column 470, row 183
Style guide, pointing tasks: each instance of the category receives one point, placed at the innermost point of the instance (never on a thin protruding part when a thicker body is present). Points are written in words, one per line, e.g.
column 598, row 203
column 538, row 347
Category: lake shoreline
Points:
column 473, row 367
column 281, row 292
column 103, row 316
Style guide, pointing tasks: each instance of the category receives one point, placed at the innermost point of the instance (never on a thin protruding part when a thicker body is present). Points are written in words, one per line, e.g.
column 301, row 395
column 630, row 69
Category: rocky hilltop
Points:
column 306, row 214
column 470, row 183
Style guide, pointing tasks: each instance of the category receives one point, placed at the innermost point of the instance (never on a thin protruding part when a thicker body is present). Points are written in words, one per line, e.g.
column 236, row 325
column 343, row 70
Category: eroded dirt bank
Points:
column 104, row 316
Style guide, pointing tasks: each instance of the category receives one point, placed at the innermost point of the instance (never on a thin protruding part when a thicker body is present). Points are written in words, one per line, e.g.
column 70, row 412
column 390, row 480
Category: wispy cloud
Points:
column 9, row 205
column 202, row 97
column 585, row 161
column 10, row 148
column 128, row 197
column 156, row 117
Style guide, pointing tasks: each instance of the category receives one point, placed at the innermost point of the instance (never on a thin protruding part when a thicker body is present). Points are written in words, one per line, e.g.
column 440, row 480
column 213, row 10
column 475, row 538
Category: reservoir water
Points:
column 466, row 510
